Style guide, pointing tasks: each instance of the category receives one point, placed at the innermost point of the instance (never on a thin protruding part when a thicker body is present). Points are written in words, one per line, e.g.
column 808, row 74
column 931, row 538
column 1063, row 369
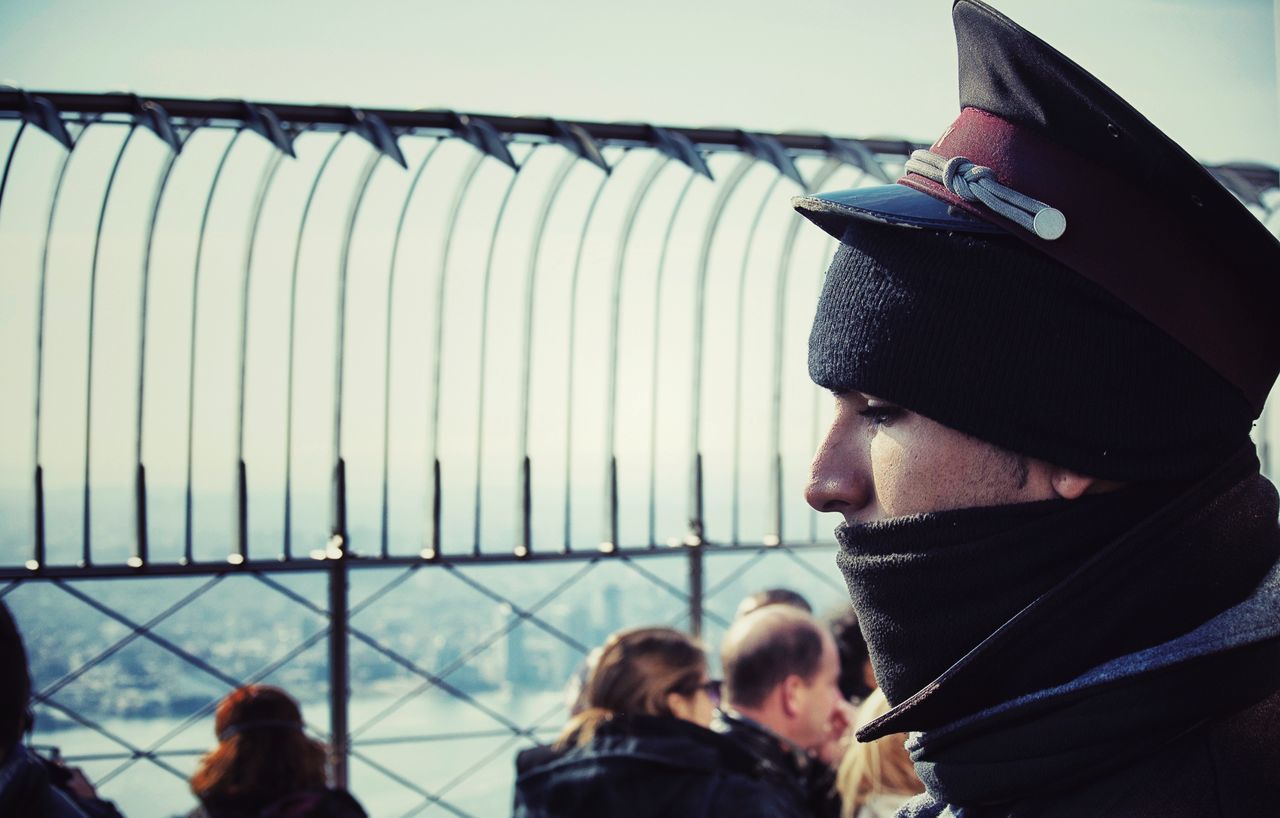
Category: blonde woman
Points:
column 876, row 777
column 641, row 748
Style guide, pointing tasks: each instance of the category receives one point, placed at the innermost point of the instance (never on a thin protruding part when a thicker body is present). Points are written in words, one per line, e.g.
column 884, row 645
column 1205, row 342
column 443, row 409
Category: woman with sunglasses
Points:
column 642, row 746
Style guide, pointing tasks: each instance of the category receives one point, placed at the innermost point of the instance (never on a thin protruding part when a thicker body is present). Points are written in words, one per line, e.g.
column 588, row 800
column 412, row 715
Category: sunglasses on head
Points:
column 712, row 687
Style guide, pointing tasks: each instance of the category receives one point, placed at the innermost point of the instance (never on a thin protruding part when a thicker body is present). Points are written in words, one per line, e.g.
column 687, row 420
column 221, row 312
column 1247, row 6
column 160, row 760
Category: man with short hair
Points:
column 772, row 596
column 782, row 702
column 1047, row 345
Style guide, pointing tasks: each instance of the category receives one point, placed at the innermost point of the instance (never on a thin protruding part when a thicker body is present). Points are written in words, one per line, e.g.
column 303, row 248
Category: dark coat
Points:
column 535, row 756
column 648, row 767
column 28, row 791
column 1229, row 768
column 308, row 804
column 1193, row 731
column 804, row 783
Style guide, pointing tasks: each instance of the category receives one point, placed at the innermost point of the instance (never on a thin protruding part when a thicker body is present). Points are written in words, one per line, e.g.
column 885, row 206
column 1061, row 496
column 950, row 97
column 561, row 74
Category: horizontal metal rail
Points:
column 232, row 113
column 1246, row 179
column 355, row 562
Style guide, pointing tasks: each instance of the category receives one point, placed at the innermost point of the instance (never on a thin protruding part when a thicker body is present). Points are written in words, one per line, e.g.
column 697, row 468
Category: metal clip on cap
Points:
column 1049, row 223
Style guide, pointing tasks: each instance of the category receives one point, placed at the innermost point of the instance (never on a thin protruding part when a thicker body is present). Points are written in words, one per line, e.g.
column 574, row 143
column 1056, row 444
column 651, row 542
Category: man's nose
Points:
column 838, row 477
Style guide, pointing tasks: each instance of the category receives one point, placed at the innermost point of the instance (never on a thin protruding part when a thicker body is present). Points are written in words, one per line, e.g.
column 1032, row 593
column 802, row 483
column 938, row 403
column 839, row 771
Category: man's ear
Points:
column 679, row 706
column 792, row 693
column 1068, row 484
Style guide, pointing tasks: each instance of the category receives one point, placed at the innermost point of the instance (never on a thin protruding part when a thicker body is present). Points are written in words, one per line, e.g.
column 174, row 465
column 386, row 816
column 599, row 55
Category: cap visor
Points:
column 897, row 205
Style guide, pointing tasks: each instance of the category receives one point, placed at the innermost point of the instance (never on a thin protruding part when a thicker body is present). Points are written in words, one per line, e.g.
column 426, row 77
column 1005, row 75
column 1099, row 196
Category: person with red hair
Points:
column 265, row 766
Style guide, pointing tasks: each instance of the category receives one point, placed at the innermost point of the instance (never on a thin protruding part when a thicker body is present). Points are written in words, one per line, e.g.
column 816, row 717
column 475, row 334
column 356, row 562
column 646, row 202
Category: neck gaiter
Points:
column 1115, row 572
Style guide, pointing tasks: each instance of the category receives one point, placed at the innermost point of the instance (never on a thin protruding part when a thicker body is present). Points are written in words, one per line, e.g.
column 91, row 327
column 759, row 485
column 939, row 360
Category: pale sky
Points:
column 1204, row 70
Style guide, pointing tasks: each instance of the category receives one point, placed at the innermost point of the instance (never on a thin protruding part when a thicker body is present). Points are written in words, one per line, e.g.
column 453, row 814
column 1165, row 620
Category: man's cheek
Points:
column 884, row 477
column 902, row 476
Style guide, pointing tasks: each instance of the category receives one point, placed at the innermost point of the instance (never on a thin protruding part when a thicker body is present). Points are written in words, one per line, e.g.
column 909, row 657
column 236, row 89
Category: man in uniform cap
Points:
column 1048, row 343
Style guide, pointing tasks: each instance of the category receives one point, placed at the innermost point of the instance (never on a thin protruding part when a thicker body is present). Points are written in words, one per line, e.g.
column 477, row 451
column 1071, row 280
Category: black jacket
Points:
column 1106, row 746
column 804, row 783
column 27, row 790
column 649, row 767
column 535, row 756
column 1226, row 769
column 307, row 804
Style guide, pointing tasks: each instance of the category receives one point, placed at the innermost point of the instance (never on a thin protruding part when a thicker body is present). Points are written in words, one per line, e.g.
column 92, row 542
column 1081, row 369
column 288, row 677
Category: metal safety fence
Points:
column 401, row 410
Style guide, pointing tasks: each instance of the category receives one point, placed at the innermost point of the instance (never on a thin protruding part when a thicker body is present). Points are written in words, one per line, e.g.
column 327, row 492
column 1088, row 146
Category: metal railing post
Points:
column 339, row 671
column 693, row 544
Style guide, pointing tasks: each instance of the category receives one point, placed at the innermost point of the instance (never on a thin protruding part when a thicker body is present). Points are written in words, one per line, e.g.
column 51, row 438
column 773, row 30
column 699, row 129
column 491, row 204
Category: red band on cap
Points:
column 1151, row 253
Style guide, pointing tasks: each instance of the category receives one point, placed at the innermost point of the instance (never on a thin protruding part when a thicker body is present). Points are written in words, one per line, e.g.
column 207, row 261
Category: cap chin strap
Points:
column 977, row 183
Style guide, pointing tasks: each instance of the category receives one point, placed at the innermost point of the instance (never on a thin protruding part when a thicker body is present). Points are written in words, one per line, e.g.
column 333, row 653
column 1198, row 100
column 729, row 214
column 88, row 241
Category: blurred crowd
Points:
column 651, row 733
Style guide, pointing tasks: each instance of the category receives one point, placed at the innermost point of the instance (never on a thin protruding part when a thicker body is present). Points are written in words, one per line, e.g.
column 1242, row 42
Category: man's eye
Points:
column 880, row 415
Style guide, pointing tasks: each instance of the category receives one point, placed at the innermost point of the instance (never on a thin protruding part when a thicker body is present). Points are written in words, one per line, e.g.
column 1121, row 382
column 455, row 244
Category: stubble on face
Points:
column 920, row 466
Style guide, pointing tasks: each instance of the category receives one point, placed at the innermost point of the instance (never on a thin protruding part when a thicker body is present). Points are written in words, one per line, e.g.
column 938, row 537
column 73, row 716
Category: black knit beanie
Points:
column 991, row 338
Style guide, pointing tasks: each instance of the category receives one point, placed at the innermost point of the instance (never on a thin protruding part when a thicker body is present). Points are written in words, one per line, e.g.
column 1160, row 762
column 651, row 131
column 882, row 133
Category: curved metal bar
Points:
column 610, row 540
column 140, row 479
column 140, row 547
column 484, row 346
column 697, row 531
column 573, row 315
column 339, row 527
column 737, row 355
column 272, row 166
column 774, row 537
column 653, row 370
column 525, row 541
column 468, row 177
column 86, row 554
column 8, row 162
column 854, row 153
column 293, row 313
column 191, row 350
column 384, row 545
column 38, row 547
